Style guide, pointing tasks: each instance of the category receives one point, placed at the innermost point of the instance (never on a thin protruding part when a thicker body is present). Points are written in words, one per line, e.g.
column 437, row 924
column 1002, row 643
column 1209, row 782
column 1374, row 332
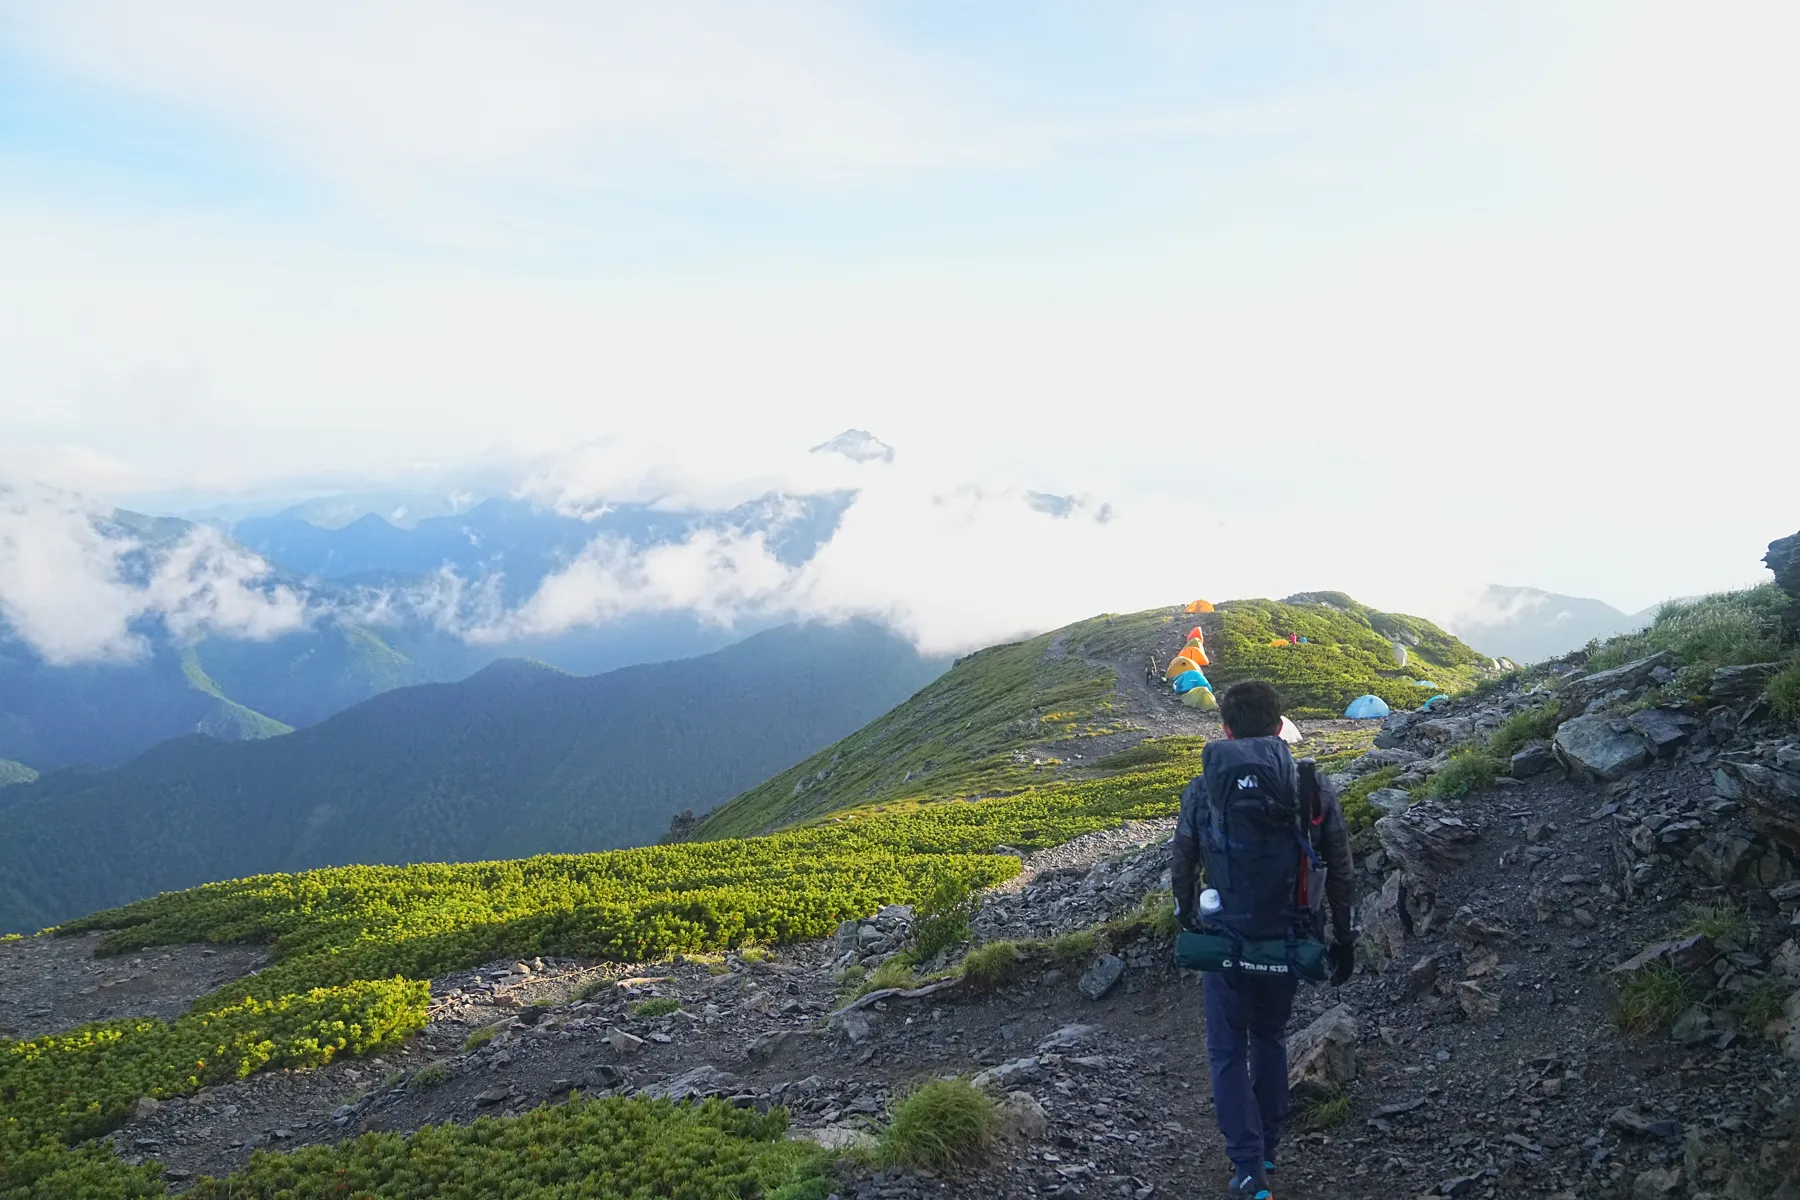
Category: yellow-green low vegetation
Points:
column 656, row 1006
column 353, row 947
column 1348, row 653
column 982, row 728
column 603, row 1147
column 1354, row 799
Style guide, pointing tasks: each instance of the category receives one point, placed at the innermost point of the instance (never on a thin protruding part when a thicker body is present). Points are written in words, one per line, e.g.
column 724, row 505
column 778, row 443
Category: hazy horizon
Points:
column 1400, row 304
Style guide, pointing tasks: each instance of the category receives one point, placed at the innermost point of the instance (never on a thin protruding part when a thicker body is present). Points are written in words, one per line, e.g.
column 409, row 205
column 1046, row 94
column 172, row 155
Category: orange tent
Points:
column 1200, row 606
column 1197, row 653
column 1196, row 634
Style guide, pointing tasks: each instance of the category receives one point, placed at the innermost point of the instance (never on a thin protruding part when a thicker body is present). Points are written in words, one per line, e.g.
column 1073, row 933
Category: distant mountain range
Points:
column 519, row 759
column 520, row 542
column 1528, row 625
column 359, row 646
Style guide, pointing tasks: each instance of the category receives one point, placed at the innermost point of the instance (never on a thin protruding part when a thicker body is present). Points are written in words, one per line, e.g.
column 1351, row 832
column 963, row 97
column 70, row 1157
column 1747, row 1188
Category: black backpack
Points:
column 1257, row 811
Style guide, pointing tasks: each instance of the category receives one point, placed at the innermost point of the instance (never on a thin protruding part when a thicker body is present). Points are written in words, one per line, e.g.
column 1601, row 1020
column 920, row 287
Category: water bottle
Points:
column 1210, row 904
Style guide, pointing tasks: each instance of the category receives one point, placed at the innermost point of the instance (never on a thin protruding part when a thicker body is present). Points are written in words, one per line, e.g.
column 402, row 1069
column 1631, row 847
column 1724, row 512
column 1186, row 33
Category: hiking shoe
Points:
column 1250, row 1185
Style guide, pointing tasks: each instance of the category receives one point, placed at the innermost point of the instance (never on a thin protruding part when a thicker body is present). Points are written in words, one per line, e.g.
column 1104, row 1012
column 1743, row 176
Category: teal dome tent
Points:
column 1187, row 681
column 1364, row 708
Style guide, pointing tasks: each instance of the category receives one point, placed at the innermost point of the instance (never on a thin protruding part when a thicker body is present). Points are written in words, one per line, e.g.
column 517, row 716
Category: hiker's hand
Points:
column 1343, row 961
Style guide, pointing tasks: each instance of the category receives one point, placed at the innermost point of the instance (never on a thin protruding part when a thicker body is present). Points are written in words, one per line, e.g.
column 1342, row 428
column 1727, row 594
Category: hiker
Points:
column 1288, row 854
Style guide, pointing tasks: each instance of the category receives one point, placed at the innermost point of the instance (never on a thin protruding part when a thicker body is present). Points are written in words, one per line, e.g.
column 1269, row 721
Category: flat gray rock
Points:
column 1602, row 747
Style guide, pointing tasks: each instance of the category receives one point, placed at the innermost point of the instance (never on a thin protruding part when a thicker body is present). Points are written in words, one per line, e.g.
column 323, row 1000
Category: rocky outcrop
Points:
column 1783, row 559
column 1769, row 791
column 1425, row 844
column 1619, row 682
column 1733, row 685
column 1601, row 747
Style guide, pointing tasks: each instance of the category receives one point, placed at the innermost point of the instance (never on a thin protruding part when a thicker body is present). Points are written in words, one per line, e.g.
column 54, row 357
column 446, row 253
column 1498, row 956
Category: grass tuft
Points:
column 590, row 989
column 1524, row 726
column 1784, row 692
column 991, row 967
column 1652, row 999
column 1465, row 774
column 1762, row 1004
column 429, row 1076
column 1074, row 947
column 656, row 1006
column 940, row 1125
column 481, row 1037
column 1720, row 922
column 1154, row 916
column 1326, row 1114
column 1722, row 630
column 894, row 973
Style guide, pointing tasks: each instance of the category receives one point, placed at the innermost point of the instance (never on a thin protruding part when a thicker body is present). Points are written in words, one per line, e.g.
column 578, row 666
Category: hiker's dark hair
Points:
column 1251, row 709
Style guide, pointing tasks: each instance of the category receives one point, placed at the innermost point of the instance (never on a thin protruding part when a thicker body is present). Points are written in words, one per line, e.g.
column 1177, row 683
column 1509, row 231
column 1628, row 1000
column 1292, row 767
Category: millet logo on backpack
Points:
column 1246, row 783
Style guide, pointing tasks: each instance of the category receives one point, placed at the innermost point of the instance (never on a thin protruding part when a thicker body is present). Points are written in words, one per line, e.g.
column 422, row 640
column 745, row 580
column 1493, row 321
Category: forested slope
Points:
column 519, row 759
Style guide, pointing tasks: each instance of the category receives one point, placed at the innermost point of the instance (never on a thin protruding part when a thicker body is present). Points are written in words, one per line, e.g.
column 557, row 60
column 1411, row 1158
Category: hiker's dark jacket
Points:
column 1331, row 839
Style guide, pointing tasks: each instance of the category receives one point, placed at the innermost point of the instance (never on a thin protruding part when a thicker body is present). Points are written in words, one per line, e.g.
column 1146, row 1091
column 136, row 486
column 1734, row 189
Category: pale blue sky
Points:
column 1435, row 254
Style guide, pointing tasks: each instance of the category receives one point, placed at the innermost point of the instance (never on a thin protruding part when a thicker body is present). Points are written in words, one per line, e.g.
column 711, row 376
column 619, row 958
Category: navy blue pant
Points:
column 1246, row 1041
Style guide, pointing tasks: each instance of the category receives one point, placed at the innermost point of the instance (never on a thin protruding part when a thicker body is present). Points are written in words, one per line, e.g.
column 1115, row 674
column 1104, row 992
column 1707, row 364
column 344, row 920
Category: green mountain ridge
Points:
column 106, row 714
column 519, row 759
column 1007, row 716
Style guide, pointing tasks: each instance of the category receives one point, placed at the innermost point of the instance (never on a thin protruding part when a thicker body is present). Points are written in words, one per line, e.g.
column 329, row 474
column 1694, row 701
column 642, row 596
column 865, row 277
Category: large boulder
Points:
column 1322, row 1057
column 1601, row 747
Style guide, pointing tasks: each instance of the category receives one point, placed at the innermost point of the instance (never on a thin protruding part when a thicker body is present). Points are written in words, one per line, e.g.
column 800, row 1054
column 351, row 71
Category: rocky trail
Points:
column 1476, row 1050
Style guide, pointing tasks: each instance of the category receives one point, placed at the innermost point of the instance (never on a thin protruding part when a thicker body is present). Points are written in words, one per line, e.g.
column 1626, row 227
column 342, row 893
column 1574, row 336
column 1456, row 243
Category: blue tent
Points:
column 1187, row 681
column 1423, row 683
column 1432, row 703
column 1364, row 707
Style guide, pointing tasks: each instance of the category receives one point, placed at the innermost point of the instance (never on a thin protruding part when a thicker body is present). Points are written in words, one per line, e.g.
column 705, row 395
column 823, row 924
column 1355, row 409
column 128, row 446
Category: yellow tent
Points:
column 1278, row 642
column 1195, row 643
column 1200, row 606
column 1202, row 699
column 1182, row 663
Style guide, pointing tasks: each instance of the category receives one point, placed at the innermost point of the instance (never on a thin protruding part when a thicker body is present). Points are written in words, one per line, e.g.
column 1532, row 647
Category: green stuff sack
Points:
column 1213, row 952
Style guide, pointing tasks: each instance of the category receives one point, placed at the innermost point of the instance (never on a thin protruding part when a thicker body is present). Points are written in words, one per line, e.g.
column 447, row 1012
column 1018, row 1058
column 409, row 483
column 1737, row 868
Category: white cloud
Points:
column 1546, row 344
column 388, row 98
column 75, row 588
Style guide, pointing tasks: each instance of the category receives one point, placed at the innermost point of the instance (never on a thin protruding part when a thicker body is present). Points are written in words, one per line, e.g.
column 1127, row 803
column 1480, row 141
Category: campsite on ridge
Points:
column 814, row 601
